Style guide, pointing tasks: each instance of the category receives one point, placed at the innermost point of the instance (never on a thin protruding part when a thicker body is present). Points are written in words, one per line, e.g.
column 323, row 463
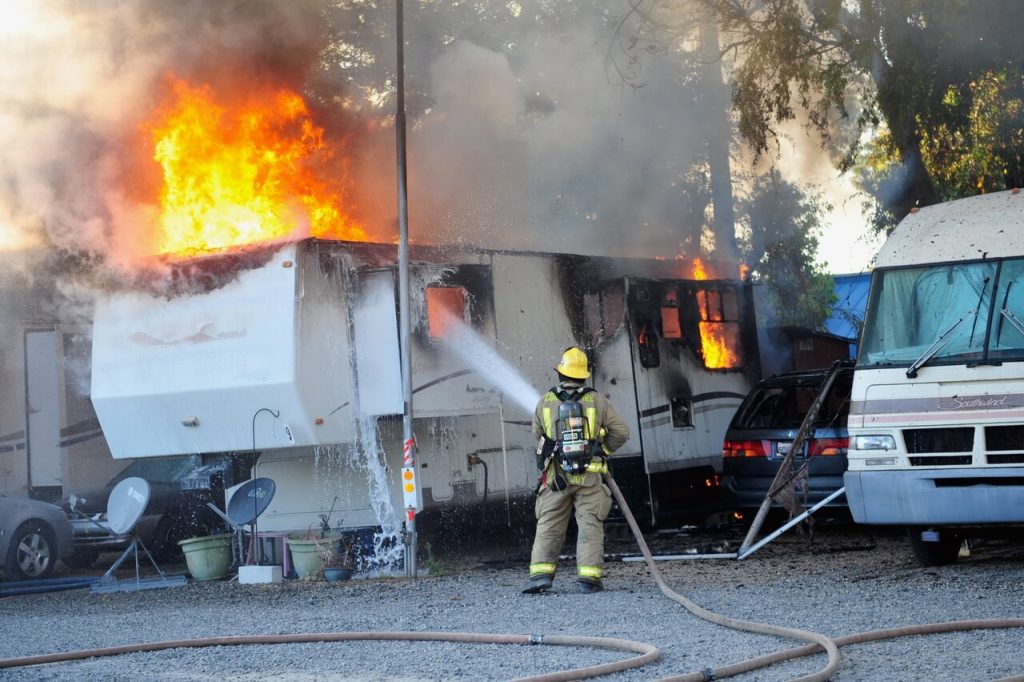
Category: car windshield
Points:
column 945, row 313
column 163, row 470
column 780, row 405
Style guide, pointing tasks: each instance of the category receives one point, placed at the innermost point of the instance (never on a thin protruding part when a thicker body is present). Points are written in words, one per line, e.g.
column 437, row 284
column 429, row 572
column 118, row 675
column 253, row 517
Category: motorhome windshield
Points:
column 943, row 314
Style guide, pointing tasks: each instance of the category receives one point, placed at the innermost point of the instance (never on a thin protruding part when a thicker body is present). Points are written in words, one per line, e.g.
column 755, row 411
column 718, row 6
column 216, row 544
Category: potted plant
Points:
column 338, row 562
column 208, row 557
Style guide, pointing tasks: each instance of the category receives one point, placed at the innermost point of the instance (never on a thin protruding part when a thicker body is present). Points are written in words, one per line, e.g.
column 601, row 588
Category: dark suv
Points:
column 765, row 424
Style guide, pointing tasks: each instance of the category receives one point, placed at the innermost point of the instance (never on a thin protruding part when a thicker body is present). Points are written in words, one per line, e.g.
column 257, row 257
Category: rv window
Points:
column 670, row 323
column 682, row 412
column 647, row 347
column 670, row 326
column 730, row 305
column 719, row 326
column 445, row 306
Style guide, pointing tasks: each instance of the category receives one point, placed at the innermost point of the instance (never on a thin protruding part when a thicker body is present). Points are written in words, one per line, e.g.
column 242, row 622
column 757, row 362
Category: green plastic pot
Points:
column 308, row 553
column 207, row 557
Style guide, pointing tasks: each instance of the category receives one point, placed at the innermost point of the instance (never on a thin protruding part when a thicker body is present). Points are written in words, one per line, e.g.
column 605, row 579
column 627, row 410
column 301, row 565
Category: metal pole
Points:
column 404, row 323
column 744, row 553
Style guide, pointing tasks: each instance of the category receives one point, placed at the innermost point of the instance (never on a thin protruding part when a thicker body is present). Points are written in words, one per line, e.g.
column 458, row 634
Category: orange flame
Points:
column 246, row 174
column 714, row 334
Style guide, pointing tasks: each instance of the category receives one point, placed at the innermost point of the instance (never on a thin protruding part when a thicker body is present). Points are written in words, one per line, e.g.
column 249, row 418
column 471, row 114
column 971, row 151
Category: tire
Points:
column 941, row 553
column 81, row 558
column 169, row 531
column 32, row 552
column 172, row 528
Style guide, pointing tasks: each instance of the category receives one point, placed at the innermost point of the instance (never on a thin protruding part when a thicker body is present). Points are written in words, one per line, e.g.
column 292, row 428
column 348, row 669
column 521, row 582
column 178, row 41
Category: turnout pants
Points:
column 592, row 503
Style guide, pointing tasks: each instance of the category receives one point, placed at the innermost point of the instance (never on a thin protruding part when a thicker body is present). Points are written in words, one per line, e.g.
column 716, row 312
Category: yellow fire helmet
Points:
column 574, row 364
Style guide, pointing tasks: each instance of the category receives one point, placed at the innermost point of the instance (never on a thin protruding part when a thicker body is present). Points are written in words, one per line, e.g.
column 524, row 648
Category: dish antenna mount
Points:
column 125, row 506
column 247, row 502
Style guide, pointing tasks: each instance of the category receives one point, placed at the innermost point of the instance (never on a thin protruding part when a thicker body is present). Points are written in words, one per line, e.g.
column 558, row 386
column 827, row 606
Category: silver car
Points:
column 33, row 536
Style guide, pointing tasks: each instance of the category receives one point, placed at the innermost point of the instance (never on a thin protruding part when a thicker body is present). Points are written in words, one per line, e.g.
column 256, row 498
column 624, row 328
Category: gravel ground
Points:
column 848, row 579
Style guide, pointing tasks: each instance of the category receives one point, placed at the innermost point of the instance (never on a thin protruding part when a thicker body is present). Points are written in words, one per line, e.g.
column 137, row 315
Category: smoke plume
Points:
column 527, row 143
column 77, row 80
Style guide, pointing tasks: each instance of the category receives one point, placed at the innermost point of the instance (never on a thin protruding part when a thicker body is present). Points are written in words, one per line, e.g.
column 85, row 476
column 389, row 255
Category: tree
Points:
column 939, row 78
column 979, row 147
column 783, row 224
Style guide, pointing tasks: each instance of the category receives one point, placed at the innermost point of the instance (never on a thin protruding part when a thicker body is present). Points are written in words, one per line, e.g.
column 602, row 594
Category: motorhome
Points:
column 937, row 411
column 290, row 354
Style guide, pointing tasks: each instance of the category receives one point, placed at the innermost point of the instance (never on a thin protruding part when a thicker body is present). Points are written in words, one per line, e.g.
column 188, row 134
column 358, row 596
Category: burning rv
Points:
column 293, row 356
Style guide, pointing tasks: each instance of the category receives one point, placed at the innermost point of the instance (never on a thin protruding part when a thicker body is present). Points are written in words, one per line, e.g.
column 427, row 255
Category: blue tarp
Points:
column 848, row 313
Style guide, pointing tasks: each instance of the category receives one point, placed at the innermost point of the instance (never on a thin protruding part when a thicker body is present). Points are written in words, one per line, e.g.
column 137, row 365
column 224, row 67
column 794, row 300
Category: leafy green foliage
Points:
column 978, row 146
column 939, row 79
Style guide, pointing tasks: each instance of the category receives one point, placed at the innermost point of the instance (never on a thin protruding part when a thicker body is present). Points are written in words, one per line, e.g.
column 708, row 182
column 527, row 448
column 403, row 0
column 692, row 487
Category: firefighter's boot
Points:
column 538, row 582
column 588, row 586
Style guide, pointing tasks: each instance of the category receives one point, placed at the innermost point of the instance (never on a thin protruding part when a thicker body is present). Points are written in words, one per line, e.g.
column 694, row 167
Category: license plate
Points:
column 783, row 448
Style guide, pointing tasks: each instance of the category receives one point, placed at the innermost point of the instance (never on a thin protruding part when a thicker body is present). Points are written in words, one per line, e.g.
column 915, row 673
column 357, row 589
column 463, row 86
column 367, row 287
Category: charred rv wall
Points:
column 312, row 335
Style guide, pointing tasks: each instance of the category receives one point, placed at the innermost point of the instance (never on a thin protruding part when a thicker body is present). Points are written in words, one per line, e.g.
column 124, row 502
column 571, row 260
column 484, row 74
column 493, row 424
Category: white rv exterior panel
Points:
column 378, row 358
column 613, row 376
column 43, row 396
column 966, row 229
column 256, row 363
column 309, row 484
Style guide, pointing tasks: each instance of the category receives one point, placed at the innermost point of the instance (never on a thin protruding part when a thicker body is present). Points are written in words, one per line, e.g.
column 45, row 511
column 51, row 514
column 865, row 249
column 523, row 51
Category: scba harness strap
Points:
column 570, row 437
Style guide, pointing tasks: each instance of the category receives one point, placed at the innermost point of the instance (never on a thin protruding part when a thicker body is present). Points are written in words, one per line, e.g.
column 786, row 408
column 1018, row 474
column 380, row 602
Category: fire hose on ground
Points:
column 647, row 653
column 818, row 641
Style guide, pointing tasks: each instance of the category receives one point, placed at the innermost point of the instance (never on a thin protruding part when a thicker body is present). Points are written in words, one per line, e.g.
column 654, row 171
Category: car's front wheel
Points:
column 32, row 552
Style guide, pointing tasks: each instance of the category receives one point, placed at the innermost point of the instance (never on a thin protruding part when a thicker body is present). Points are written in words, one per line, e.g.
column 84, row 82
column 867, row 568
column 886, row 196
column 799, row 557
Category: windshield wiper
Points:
column 937, row 345
column 1014, row 320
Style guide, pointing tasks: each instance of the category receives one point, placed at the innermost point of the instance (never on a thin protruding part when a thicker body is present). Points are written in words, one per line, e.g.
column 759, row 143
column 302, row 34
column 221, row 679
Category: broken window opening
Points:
column 682, row 412
column 720, row 330
column 446, row 307
column 671, row 326
column 647, row 345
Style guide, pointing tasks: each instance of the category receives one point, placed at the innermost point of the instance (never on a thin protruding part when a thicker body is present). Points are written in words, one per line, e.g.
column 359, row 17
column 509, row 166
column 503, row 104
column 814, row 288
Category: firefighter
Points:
column 576, row 428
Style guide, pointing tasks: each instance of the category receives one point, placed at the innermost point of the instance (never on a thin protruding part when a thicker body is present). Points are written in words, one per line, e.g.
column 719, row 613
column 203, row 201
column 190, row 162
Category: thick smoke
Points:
column 525, row 142
column 537, row 149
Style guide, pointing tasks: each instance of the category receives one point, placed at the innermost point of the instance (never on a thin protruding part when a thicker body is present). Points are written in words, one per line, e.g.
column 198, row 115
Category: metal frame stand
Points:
column 109, row 583
column 239, row 556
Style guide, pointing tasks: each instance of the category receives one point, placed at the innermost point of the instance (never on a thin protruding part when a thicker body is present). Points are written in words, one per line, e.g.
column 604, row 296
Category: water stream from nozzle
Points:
column 488, row 363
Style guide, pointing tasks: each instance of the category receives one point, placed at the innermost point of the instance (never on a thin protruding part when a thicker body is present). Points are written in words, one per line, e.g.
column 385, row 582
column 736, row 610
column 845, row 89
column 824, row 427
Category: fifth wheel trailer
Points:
column 937, row 410
column 290, row 353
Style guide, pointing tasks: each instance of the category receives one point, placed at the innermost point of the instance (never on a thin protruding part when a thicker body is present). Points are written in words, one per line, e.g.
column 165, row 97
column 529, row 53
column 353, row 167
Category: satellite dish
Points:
column 250, row 500
column 127, row 503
